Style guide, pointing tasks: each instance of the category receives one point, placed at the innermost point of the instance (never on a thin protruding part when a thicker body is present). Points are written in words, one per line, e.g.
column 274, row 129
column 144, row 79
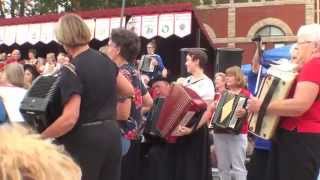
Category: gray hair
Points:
column 310, row 32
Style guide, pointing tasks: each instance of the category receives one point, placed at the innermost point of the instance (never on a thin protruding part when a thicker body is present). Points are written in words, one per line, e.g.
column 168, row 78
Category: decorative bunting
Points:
column 47, row 32
column 115, row 23
column 166, row 25
column 10, row 35
column 2, row 33
column 91, row 24
column 182, row 24
column 149, row 26
column 102, row 29
column 21, row 31
column 134, row 24
column 34, row 33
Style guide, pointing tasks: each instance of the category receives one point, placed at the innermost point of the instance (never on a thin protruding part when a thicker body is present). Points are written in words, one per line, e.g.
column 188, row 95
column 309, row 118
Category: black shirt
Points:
column 95, row 82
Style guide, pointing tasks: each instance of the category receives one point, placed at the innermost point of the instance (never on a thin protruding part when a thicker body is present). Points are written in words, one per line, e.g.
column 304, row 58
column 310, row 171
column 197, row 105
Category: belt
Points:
column 94, row 123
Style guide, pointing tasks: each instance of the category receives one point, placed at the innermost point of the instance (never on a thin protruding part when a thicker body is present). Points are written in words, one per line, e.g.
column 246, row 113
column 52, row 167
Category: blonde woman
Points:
column 25, row 156
column 231, row 148
column 12, row 90
column 87, row 126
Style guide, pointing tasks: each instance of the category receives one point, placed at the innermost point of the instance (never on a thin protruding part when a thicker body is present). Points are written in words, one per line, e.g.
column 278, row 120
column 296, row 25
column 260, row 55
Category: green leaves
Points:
column 36, row 7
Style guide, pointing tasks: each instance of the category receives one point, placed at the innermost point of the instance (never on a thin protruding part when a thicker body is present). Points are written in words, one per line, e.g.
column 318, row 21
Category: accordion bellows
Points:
column 41, row 105
column 224, row 116
column 179, row 108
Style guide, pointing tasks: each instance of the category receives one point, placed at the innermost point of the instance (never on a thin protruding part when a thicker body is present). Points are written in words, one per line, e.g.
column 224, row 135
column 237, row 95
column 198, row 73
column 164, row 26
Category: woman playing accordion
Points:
column 295, row 152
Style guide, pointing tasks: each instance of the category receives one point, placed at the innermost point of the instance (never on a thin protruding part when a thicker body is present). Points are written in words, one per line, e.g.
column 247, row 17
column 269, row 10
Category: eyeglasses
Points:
column 304, row 42
column 149, row 47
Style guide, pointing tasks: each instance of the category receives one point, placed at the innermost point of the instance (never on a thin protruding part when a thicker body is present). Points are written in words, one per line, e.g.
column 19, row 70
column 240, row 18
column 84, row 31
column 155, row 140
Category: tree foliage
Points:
column 13, row 8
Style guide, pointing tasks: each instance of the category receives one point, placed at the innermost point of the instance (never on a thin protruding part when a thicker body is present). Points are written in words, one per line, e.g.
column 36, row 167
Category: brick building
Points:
column 234, row 23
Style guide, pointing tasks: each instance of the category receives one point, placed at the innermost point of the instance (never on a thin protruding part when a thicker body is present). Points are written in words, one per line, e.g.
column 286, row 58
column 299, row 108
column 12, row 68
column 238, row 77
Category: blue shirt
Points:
column 157, row 72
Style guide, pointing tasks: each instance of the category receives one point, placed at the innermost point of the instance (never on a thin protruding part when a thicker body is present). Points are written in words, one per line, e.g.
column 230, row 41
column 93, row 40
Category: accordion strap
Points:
column 71, row 68
column 265, row 103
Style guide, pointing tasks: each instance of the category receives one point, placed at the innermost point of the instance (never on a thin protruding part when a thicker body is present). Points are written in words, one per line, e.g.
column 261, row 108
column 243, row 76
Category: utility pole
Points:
column 123, row 6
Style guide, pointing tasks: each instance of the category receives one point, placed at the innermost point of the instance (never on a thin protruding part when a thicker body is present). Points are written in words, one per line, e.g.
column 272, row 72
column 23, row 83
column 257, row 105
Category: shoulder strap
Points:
column 71, row 67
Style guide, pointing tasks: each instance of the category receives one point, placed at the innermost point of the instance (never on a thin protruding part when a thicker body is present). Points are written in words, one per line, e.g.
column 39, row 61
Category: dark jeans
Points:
column 257, row 167
column 294, row 156
column 97, row 149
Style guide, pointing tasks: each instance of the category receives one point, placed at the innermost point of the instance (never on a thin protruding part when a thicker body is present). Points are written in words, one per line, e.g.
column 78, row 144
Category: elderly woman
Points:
column 12, row 90
column 87, row 126
column 123, row 48
column 295, row 152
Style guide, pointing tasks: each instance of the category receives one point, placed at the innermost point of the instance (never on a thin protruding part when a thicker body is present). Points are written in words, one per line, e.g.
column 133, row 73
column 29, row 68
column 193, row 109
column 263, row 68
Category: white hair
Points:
column 310, row 32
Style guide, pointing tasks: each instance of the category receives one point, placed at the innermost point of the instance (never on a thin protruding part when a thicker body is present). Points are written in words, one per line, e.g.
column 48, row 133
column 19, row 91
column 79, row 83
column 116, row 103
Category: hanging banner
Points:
column 34, row 33
column 166, row 25
column 21, row 32
column 134, row 24
column 10, row 35
column 115, row 23
column 182, row 24
column 149, row 26
column 91, row 24
column 47, row 32
column 102, row 29
column 2, row 33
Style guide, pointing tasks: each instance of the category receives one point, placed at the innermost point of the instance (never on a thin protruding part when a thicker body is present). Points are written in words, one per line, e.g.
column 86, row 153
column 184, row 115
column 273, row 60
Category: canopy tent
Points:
column 148, row 22
column 173, row 26
column 277, row 53
column 274, row 54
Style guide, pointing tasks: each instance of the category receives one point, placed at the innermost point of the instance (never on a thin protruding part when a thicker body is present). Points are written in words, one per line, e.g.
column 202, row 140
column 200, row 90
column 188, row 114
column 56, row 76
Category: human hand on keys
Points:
column 254, row 104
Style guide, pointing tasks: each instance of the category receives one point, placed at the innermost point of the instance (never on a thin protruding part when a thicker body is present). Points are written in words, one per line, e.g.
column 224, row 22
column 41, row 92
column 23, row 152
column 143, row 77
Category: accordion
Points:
column 181, row 107
column 224, row 117
column 153, row 117
column 41, row 105
column 275, row 86
column 145, row 64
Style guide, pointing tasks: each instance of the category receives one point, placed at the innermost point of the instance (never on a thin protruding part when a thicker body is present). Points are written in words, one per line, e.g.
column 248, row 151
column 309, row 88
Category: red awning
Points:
column 103, row 13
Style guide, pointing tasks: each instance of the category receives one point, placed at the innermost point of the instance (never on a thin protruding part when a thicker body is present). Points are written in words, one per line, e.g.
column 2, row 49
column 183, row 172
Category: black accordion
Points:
column 224, row 117
column 41, row 106
column 150, row 128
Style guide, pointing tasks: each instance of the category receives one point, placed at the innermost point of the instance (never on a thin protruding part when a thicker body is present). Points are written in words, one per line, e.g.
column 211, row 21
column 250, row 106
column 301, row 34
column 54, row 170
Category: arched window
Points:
column 270, row 30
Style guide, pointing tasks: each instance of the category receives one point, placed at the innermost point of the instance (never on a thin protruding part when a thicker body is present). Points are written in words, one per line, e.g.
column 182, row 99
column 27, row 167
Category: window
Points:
column 270, row 31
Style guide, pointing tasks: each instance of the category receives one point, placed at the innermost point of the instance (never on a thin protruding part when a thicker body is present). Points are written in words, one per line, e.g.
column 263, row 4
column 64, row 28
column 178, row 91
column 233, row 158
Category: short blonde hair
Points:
column 14, row 74
column 72, row 31
column 236, row 72
column 24, row 155
column 220, row 74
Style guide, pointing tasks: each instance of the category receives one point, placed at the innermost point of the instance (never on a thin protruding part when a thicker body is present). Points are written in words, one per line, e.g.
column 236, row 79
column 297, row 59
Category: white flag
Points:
column 21, row 34
column 134, row 24
column 10, row 35
column 182, row 24
column 2, row 33
column 102, row 29
column 34, row 33
column 115, row 23
column 149, row 26
column 166, row 25
column 91, row 24
column 47, row 32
